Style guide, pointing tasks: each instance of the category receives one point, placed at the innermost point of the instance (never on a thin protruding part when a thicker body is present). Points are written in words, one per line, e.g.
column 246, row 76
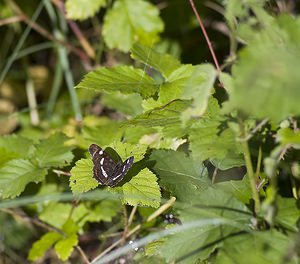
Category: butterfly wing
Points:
column 119, row 172
column 104, row 165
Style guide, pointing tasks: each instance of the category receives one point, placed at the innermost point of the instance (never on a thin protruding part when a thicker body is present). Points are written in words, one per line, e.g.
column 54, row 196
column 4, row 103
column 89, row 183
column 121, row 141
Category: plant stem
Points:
column 250, row 171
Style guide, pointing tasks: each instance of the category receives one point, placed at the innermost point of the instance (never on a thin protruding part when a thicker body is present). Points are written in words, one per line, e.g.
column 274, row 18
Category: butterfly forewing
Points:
column 104, row 165
column 105, row 169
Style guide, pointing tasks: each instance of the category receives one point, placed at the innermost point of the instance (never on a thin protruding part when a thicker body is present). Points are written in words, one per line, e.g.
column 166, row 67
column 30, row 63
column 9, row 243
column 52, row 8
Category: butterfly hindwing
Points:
column 120, row 171
column 106, row 171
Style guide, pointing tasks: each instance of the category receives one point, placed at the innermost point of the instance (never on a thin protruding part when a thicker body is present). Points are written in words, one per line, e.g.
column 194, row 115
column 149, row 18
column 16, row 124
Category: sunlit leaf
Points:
column 39, row 247
column 81, row 179
column 51, row 152
column 16, row 174
column 129, row 21
column 124, row 79
column 142, row 189
column 82, row 9
column 64, row 247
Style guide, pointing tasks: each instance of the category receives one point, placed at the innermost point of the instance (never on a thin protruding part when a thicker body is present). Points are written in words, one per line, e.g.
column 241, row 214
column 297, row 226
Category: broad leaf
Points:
column 266, row 78
column 129, row 21
column 199, row 88
column 142, row 189
column 180, row 175
column 82, row 9
column 288, row 136
column 64, row 247
column 16, row 174
column 197, row 243
column 208, row 140
column 102, row 211
column 255, row 247
column 39, row 247
column 124, row 79
column 81, row 179
column 164, row 63
column 288, row 213
column 52, row 152
column 56, row 214
column 14, row 146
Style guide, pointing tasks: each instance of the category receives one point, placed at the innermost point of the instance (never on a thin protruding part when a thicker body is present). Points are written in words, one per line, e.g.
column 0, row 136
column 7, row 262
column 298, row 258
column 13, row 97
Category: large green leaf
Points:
column 124, row 79
column 142, row 189
column 266, row 78
column 164, row 63
column 197, row 243
column 166, row 117
column 16, row 174
column 180, row 175
column 14, row 146
column 82, row 9
column 51, row 152
column 199, row 88
column 43, row 244
column 257, row 247
column 209, row 141
column 129, row 21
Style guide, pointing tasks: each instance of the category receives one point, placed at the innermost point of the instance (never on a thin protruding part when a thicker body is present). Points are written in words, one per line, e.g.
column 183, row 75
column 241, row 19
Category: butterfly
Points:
column 106, row 171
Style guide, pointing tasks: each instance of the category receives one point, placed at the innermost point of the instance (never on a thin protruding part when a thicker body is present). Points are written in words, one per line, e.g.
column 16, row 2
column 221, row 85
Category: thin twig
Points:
column 205, row 35
column 10, row 20
column 130, row 219
column 60, row 172
column 252, row 133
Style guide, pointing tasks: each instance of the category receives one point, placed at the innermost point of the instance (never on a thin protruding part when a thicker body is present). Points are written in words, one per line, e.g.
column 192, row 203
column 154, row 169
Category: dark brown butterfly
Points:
column 106, row 171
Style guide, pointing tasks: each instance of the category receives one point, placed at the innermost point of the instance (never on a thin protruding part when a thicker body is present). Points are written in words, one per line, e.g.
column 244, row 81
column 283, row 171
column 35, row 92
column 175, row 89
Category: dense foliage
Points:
column 216, row 167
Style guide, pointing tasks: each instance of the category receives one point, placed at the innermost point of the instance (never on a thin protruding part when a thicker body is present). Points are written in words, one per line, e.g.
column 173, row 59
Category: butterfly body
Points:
column 106, row 171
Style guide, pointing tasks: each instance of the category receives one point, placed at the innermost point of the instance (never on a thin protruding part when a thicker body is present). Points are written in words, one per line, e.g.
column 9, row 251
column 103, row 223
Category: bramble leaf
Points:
column 164, row 63
column 81, row 179
column 179, row 174
column 129, row 21
column 16, row 174
column 65, row 246
column 142, row 189
column 209, row 141
column 81, row 9
column 124, row 79
column 39, row 247
column 51, row 152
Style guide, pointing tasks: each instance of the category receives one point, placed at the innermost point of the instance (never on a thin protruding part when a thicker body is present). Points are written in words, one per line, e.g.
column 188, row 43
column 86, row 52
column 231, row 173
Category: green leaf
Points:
column 199, row 88
column 43, row 244
column 52, row 152
column 129, row 104
column 255, row 247
column 104, row 133
column 142, row 189
column 56, row 214
column 266, row 78
column 103, row 211
column 180, row 175
column 288, row 212
column 82, row 9
column 164, row 63
column 129, row 21
column 16, row 174
column 65, row 246
column 287, row 136
column 81, row 179
column 209, row 141
column 166, row 117
column 13, row 147
column 197, row 243
column 124, row 79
